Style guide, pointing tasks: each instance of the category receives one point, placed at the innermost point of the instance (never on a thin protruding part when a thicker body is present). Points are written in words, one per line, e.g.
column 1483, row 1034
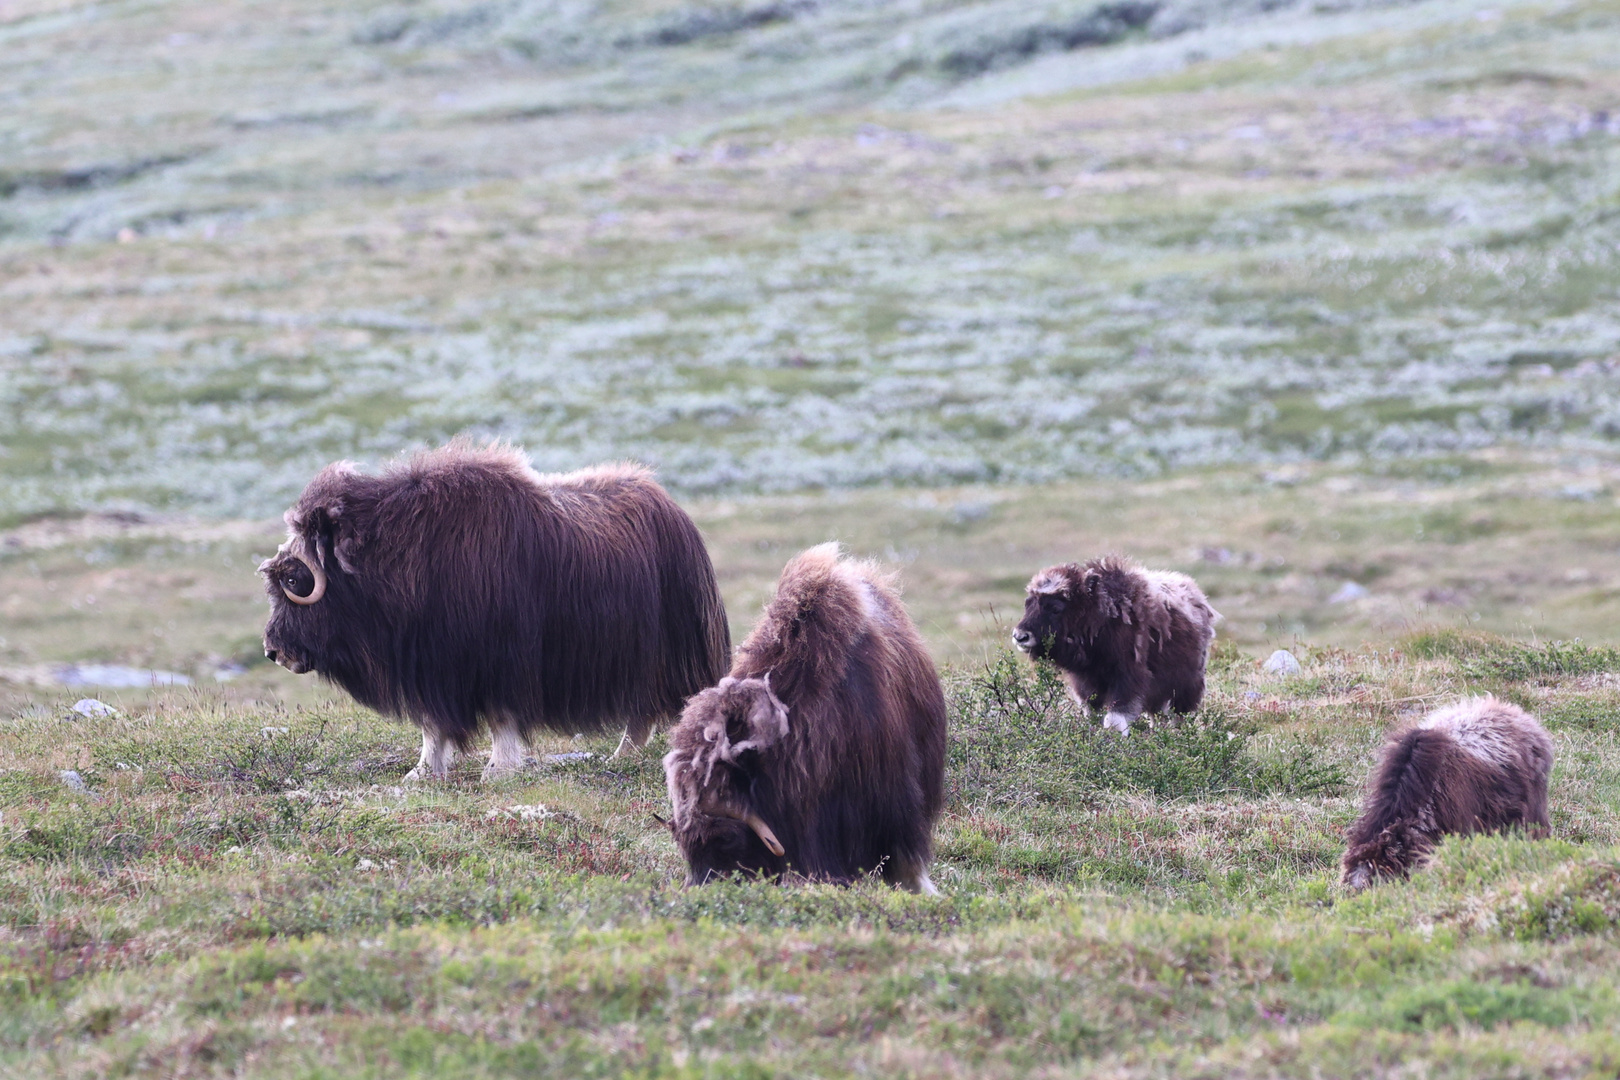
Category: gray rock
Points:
column 1281, row 662
column 91, row 707
column 1347, row 592
column 559, row 759
column 74, row 781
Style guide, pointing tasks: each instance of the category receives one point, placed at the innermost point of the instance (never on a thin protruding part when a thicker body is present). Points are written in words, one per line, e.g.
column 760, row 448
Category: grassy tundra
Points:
column 1291, row 299
column 245, row 890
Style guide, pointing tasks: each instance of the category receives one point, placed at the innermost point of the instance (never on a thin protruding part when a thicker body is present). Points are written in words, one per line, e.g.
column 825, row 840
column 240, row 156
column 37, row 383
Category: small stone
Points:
column 74, row 781
column 91, row 707
column 970, row 510
column 1347, row 592
column 1281, row 662
column 561, row 759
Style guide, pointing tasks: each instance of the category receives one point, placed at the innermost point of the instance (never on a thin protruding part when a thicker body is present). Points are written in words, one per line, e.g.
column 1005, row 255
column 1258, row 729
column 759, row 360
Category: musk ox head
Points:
column 317, row 614
column 719, row 779
column 1064, row 601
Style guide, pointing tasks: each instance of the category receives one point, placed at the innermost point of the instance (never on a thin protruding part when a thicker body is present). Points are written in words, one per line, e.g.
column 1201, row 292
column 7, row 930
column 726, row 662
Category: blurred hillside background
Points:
column 1316, row 300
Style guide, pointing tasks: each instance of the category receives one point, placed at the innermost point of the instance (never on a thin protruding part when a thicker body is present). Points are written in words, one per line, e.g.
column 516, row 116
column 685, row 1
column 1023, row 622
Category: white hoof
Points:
column 1117, row 721
column 503, row 770
column 924, row 885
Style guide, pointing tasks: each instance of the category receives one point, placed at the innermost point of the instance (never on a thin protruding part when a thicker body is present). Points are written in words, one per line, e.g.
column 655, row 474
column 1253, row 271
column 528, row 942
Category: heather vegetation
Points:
column 1314, row 301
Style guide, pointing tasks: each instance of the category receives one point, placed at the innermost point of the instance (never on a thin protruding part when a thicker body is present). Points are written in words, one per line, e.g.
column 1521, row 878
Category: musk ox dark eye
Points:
column 1056, row 603
column 297, row 580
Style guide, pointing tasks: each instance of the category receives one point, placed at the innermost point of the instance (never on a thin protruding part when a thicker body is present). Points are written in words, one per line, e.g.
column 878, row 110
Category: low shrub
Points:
column 1491, row 657
column 1016, row 736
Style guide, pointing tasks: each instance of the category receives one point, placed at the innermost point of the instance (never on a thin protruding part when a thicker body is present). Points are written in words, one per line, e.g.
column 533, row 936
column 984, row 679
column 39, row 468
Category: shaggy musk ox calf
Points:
column 1127, row 639
column 1476, row 766
column 823, row 752
column 461, row 587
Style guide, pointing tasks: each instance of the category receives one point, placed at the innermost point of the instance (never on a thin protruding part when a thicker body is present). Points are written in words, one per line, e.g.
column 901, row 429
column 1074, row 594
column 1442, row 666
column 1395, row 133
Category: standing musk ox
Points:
column 1476, row 766
column 1128, row 640
column 461, row 587
column 822, row 754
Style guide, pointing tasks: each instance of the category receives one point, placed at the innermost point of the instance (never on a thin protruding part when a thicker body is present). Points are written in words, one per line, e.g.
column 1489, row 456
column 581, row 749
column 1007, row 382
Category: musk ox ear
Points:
column 768, row 719
column 1109, row 594
column 325, row 516
column 759, row 724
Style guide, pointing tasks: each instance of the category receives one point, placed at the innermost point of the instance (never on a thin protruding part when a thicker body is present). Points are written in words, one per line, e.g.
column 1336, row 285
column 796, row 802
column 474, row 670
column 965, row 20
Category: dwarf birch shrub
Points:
column 1017, row 737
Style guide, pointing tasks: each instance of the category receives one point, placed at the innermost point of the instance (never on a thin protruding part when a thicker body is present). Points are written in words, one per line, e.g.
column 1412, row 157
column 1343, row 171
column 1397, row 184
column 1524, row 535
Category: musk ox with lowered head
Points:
column 461, row 588
column 1126, row 639
column 822, row 754
column 1476, row 766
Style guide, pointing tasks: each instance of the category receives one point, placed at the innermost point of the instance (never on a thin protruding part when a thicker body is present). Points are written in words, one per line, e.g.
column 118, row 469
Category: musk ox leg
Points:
column 1080, row 692
column 1120, row 721
column 922, row 883
column 437, row 755
column 636, row 734
column 506, row 753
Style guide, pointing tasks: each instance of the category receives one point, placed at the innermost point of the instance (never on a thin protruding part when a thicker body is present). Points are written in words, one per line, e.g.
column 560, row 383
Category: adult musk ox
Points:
column 1476, row 766
column 1128, row 640
column 822, row 754
column 460, row 588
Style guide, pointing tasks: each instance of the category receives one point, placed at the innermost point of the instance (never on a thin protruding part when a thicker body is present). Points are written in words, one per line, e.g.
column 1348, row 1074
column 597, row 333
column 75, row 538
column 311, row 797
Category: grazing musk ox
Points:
column 460, row 588
column 823, row 752
column 1127, row 639
column 1476, row 766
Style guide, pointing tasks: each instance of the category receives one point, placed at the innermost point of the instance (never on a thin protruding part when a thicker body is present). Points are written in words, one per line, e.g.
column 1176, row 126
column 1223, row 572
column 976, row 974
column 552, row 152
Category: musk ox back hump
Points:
column 1480, row 765
column 467, row 586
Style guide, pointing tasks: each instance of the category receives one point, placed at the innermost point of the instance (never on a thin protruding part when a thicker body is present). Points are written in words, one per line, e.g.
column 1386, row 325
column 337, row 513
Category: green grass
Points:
column 231, row 898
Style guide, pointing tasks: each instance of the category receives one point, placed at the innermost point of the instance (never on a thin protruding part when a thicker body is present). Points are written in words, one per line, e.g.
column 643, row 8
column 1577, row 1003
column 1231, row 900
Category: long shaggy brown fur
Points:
column 1477, row 766
column 463, row 587
column 1128, row 640
column 822, row 754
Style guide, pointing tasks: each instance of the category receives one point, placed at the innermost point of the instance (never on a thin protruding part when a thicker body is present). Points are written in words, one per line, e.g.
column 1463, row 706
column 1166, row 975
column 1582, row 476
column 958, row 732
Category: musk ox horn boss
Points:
column 1476, row 766
column 1126, row 639
column 822, row 754
column 460, row 588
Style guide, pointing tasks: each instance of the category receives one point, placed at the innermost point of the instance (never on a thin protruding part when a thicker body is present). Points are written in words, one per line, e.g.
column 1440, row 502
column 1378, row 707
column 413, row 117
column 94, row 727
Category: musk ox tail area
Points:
column 822, row 753
column 1476, row 766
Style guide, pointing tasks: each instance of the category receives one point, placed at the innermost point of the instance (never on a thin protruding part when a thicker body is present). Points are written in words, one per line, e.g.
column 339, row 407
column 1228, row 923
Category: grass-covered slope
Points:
column 786, row 247
column 248, row 892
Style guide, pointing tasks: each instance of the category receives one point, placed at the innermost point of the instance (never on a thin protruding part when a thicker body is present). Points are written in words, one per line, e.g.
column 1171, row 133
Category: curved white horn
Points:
column 320, row 581
column 763, row 831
